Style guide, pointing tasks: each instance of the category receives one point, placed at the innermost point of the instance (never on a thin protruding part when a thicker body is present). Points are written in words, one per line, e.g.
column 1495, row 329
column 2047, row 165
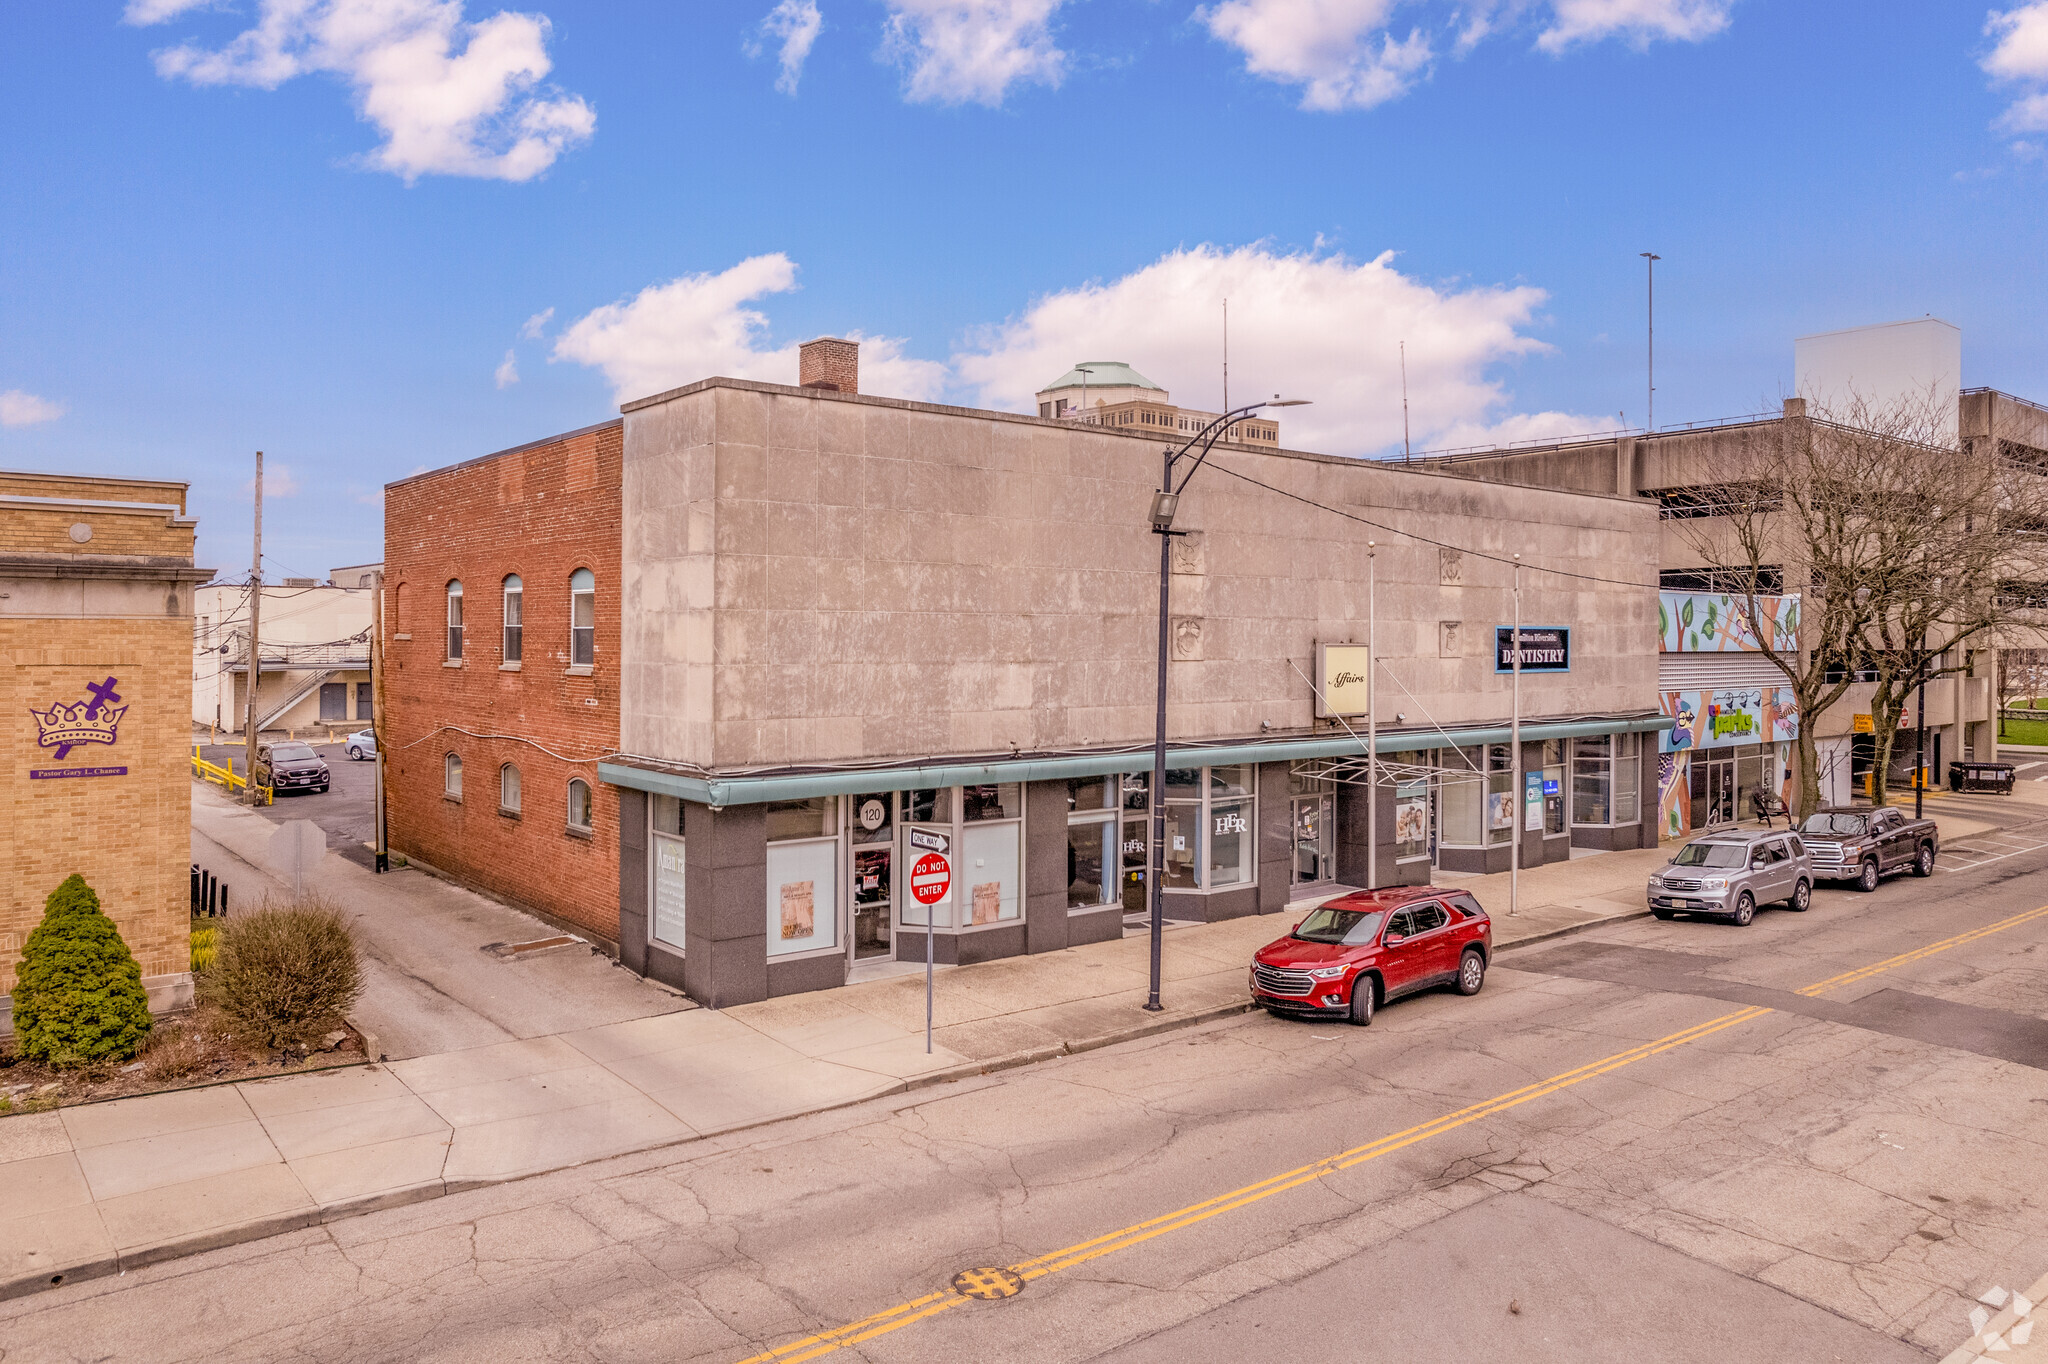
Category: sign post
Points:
column 931, row 880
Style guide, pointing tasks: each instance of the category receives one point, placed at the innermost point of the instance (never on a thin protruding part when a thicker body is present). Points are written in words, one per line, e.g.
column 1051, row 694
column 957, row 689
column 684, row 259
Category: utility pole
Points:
column 380, row 833
column 1372, row 715
column 1650, row 259
column 1515, row 752
column 255, row 629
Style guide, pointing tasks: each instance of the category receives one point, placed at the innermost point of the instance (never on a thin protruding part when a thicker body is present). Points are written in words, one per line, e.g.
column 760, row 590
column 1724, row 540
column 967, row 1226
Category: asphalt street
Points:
column 1816, row 1138
column 345, row 812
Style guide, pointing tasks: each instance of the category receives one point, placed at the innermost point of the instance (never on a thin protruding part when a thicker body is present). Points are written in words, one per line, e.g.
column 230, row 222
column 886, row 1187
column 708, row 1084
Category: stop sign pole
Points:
column 931, row 879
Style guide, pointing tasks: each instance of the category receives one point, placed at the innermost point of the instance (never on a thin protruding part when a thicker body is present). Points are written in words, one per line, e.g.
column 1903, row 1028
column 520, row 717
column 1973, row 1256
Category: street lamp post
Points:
column 1165, row 503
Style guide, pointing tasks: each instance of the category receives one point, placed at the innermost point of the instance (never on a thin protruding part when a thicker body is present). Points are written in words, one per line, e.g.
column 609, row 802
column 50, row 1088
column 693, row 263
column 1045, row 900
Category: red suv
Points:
column 1357, row 952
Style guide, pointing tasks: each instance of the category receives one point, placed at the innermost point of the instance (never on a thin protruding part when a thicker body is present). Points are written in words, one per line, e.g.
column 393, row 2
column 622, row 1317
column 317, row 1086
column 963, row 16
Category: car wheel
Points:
column 1745, row 909
column 1866, row 875
column 1663, row 914
column 1923, row 864
column 355, row 755
column 1362, row 1001
column 1802, row 897
column 1471, row 973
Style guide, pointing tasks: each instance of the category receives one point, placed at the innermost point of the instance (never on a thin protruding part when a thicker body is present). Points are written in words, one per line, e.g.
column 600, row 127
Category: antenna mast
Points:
column 1404, row 400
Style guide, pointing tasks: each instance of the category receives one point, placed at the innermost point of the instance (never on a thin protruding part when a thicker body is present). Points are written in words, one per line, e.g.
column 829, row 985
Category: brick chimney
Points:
column 829, row 363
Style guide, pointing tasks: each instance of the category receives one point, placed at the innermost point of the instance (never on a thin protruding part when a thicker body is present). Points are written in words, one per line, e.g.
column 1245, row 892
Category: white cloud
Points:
column 26, row 409
column 1314, row 326
column 278, row 481
column 535, row 325
column 794, row 25
column 1339, row 51
column 450, row 96
column 1639, row 21
column 2021, row 56
column 972, row 51
column 142, row 13
column 699, row 326
column 507, row 372
column 1516, row 429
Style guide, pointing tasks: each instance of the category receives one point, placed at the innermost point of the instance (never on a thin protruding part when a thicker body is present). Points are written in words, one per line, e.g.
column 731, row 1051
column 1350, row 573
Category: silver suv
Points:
column 1731, row 872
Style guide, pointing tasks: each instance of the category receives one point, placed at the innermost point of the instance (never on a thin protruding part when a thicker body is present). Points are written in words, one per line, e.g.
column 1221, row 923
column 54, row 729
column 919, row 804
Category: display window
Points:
column 1464, row 796
column 984, row 830
column 1607, row 779
column 1211, row 828
column 1092, row 854
column 665, row 919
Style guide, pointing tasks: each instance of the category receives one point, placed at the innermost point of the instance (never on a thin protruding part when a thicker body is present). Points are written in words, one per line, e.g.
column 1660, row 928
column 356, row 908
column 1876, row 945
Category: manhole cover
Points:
column 987, row 1283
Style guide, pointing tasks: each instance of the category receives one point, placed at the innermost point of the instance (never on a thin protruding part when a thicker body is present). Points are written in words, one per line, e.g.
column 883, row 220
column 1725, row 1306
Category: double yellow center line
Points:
column 945, row 1299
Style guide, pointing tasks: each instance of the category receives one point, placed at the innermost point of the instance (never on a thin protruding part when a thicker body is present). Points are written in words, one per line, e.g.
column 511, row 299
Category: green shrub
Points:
column 205, row 945
column 287, row 973
column 78, row 993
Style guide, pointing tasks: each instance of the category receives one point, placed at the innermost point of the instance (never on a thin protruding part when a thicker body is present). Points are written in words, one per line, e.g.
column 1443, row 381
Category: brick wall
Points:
column 541, row 511
column 831, row 363
column 129, row 835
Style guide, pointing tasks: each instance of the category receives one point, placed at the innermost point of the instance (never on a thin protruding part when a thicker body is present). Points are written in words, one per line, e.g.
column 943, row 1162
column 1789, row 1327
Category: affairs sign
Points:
column 1343, row 680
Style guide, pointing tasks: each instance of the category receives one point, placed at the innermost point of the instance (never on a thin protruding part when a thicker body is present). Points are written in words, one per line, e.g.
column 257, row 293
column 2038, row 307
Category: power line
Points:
column 1428, row 540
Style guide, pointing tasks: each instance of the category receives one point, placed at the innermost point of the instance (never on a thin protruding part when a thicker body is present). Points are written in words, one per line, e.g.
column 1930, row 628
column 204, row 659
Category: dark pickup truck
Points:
column 1861, row 844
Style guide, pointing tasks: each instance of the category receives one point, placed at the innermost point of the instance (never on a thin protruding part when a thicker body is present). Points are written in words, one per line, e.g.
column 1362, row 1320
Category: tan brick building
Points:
column 96, row 586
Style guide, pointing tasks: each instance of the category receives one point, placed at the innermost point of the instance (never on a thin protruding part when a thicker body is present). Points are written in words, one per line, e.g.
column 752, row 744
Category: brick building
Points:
column 502, row 673
column 96, row 586
column 831, row 627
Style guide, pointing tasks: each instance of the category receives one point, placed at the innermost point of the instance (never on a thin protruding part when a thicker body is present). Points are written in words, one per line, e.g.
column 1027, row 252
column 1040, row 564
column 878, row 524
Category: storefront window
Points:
column 987, row 872
column 985, row 849
column 1411, row 816
column 929, row 806
column 1005, row 801
column 1137, row 786
column 1628, row 774
column 803, row 875
column 1235, row 780
column 1211, row 826
column 1183, row 844
column 1464, row 796
column 1592, row 779
column 1500, row 794
column 1230, row 843
column 665, row 814
column 1553, row 786
column 665, row 922
column 1092, row 842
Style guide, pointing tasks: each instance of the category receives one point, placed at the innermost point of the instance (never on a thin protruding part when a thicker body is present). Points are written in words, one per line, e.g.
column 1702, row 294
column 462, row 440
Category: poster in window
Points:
column 1500, row 810
column 799, row 910
column 1411, row 819
column 987, row 905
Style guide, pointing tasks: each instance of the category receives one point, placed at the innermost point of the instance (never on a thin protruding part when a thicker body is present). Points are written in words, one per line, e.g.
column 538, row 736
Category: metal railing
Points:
column 225, row 777
column 341, row 653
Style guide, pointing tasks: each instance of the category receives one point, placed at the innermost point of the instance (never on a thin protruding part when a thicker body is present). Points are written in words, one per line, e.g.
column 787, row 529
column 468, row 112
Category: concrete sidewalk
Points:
column 100, row 1187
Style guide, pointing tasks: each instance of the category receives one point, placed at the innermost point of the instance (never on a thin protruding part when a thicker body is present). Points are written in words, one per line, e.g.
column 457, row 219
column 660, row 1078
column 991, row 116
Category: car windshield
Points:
column 1709, row 855
column 1344, row 927
column 292, row 753
column 1831, row 825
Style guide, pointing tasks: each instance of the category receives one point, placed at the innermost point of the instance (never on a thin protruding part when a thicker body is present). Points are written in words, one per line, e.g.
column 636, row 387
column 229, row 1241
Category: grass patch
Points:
column 2024, row 731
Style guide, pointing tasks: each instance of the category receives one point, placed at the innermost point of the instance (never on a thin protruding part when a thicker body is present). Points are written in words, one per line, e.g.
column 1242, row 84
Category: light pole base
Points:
column 1153, row 1006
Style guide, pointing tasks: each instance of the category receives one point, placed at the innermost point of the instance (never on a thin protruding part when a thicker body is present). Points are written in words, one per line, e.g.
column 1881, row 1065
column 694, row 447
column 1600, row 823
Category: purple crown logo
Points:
column 66, row 725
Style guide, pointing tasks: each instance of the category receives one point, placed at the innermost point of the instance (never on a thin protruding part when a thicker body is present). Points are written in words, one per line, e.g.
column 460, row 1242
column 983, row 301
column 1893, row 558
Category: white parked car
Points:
column 361, row 744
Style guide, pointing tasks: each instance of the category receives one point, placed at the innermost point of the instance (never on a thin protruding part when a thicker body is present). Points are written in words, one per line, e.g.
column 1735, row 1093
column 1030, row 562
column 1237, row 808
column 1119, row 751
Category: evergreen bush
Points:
column 287, row 973
column 78, row 993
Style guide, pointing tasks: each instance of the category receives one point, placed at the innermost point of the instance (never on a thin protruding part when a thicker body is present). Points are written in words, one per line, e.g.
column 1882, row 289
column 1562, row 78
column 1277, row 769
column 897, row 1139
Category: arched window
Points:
column 455, row 619
column 396, row 620
column 508, row 789
column 515, row 612
column 582, row 617
column 579, row 805
column 451, row 776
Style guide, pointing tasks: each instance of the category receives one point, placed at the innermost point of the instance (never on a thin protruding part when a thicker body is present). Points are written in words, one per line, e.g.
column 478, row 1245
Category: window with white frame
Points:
column 803, row 875
column 1092, row 810
column 1211, row 827
column 579, row 805
column 455, row 619
column 515, row 615
column 984, row 826
column 1607, row 779
column 668, row 870
column 451, row 776
column 582, row 618
column 508, row 789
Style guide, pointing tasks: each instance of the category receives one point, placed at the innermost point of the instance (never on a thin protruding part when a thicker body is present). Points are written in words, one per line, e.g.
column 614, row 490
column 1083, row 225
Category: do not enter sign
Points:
column 931, row 877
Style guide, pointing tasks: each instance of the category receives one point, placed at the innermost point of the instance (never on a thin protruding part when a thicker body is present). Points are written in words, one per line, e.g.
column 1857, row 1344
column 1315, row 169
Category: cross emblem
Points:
column 103, row 694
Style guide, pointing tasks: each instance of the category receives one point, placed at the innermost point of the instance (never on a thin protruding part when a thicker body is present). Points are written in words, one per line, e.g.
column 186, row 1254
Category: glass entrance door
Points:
column 874, row 867
column 1713, row 791
column 1314, row 854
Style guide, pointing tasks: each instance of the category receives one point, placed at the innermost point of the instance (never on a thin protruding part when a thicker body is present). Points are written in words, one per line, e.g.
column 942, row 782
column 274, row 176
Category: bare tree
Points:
column 2022, row 676
column 1895, row 541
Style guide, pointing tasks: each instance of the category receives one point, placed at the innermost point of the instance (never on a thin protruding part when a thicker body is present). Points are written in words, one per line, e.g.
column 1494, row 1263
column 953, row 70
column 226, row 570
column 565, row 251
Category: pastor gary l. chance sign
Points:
column 1545, row 649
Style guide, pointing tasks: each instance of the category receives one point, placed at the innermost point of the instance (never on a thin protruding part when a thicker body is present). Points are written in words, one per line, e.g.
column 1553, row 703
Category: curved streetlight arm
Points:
column 1208, row 435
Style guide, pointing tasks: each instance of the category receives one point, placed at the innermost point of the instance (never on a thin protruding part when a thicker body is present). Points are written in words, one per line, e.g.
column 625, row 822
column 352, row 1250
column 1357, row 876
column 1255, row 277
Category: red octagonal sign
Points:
column 931, row 877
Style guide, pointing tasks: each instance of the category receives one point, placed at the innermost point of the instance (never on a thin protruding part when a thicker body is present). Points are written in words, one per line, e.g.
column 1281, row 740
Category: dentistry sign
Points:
column 95, row 718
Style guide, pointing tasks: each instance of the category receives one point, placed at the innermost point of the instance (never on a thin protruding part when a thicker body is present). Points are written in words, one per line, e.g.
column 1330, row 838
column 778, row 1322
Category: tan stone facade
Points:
column 96, row 585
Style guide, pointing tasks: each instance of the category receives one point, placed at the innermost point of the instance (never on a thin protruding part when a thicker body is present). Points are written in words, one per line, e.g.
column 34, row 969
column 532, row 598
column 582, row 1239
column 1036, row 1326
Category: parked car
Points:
column 1861, row 844
column 1362, row 950
column 360, row 745
column 1729, row 873
column 290, row 766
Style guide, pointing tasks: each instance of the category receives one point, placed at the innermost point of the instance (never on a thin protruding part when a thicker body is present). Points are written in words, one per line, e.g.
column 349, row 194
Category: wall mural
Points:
column 1716, row 622
column 1726, row 716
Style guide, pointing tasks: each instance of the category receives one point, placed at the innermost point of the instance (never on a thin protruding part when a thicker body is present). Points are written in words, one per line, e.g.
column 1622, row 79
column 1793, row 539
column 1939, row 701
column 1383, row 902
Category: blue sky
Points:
column 322, row 228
